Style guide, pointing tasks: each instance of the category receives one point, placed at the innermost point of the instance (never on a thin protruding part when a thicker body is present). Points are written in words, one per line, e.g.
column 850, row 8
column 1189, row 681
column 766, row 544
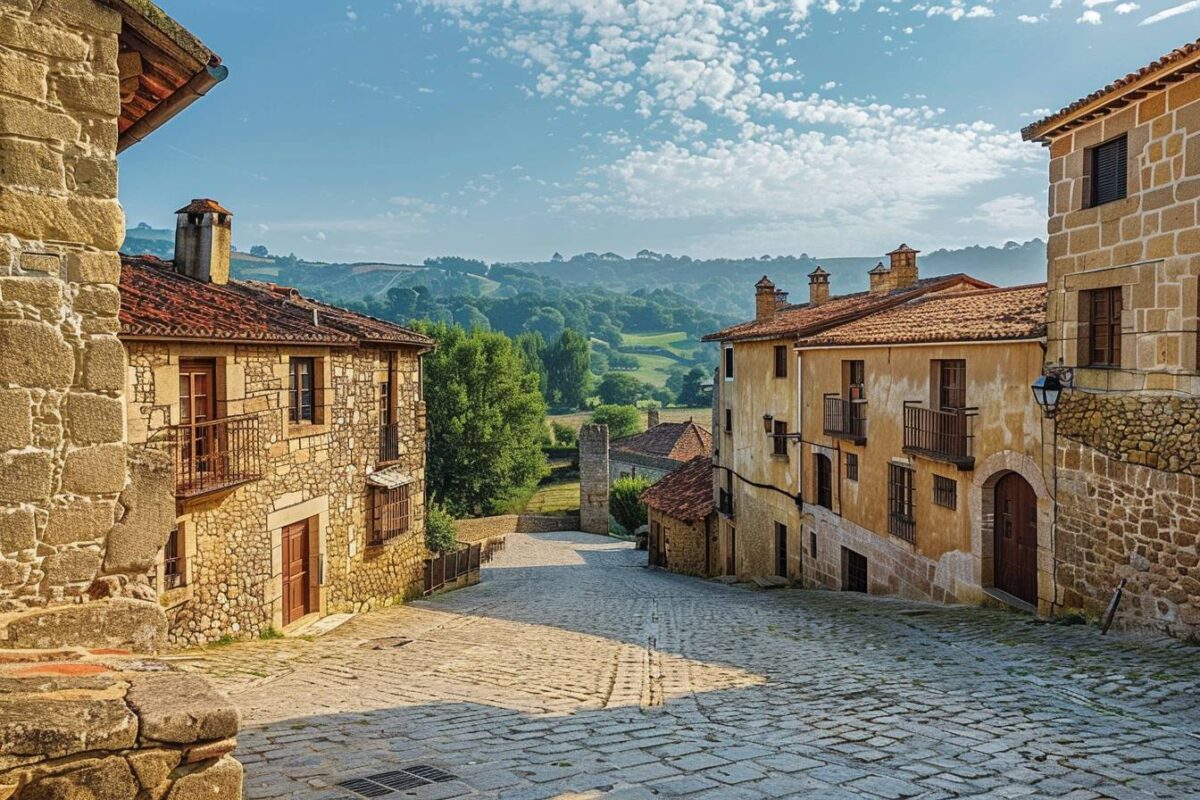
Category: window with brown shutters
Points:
column 1109, row 171
column 1104, row 326
column 781, row 361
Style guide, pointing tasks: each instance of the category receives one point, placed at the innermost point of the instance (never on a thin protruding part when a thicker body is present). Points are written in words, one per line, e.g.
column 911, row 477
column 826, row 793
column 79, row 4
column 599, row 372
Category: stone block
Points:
column 97, row 94
column 100, row 299
column 93, row 418
column 17, row 530
column 180, row 708
column 26, row 476
column 153, row 767
column 53, row 41
column 30, row 164
column 28, row 121
column 116, row 622
column 16, row 419
column 34, row 354
column 222, row 779
column 89, row 779
column 14, row 573
column 99, row 223
column 53, row 721
column 85, row 266
column 71, row 566
column 80, row 521
column 43, row 263
column 73, row 14
column 149, row 503
column 103, row 364
column 43, row 295
column 95, row 470
column 95, row 177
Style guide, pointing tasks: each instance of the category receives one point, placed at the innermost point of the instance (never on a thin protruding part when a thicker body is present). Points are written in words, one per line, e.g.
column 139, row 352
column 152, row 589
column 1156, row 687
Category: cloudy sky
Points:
column 509, row 129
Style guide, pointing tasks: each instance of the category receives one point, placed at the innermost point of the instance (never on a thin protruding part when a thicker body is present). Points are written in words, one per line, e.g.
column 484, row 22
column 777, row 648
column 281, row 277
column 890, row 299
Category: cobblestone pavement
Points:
column 573, row 672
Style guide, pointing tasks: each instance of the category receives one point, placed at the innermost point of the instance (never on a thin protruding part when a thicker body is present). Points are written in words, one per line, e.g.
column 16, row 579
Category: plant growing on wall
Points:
column 440, row 534
column 625, row 502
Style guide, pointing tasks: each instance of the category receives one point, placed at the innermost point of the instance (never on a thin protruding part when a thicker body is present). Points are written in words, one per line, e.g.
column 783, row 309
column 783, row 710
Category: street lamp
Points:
column 768, row 423
column 1046, row 391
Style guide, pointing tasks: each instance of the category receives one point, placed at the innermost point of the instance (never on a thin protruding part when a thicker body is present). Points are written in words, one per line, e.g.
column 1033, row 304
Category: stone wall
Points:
column 593, row 478
column 1154, row 430
column 481, row 529
column 685, row 544
column 62, row 457
column 232, row 540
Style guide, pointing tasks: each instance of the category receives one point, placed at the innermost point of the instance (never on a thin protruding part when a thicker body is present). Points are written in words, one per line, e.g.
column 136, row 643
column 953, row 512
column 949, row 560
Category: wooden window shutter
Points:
column 1110, row 171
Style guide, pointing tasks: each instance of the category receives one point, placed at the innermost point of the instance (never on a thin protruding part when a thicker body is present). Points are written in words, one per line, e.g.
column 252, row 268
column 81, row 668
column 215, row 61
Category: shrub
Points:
column 621, row 420
column 440, row 535
column 625, row 504
column 564, row 435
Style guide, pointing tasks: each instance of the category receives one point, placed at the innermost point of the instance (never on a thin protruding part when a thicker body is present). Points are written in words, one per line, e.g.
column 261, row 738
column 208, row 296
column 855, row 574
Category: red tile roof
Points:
column 159, row 303
column 678, row 441
column 800, row 320
column 1010, row 313
column 204, row 205
column 1173, row 66
column 686, row 494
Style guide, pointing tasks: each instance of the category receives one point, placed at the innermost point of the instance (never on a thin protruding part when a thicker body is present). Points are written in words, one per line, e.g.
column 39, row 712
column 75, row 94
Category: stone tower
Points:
column 593, row 478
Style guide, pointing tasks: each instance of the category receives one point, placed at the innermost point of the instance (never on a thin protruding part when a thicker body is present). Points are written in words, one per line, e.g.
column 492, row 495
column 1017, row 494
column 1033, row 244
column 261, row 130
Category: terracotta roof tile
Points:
column 802, row 320
column 685, row 494
column 1017, row 312
column 678, row 441
column 157, row 302
column 204, row 205
column 1123, row 90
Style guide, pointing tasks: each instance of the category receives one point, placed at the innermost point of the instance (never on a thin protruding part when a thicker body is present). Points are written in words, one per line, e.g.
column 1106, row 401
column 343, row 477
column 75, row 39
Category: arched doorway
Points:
column 1015, row 531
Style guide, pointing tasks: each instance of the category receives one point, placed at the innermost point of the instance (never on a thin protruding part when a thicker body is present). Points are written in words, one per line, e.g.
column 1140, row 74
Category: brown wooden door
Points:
column 952, row 384
column 297, row 566
column 197, row 408
column 1015, row 561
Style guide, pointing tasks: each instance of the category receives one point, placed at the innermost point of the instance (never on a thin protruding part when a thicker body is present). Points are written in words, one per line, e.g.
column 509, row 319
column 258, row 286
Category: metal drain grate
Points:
column 398, row 780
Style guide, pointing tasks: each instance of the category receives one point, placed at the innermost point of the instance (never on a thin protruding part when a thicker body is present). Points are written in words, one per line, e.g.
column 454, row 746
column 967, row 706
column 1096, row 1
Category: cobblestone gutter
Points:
column 78, row 723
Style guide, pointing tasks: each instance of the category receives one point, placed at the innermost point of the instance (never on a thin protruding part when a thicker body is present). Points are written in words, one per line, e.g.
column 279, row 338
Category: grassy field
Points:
column 653, row 369
column 554, row 498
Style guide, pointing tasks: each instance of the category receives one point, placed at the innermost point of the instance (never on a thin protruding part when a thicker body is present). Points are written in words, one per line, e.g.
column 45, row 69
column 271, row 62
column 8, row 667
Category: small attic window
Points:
column 1109, row 165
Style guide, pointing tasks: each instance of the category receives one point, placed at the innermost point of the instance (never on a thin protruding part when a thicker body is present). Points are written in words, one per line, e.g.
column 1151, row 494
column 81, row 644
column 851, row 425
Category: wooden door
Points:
column 855, row 565
column 731, row 554
column 663, row 533
column 1015, row 554
column 781, row 550
column 297, row 568
column 197, row 410
column 652, row 546
column 952, row 384
column 824, row 480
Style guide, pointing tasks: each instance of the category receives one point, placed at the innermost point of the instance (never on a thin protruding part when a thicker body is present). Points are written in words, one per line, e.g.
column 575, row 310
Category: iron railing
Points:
column 389, row 443
column 446, row 568
column 725, row 503
column 217, row 454
column 944, row 435
column 846, row 419
column 902, row 526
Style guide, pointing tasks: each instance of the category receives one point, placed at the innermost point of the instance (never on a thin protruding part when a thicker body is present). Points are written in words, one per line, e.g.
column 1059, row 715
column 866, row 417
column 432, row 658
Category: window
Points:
column 781, row 360
column 952, row 384
column 781, row 551
column 728, row 363
column 852, row 466
column 391, row 513
column 854, row 571
column 729, row 420
column 812, row 543
column 824, row 478
column 945, row 492
column 1104, row 326
column 855, row 375
column 1109, row 171
column 778, row 443
column 302, row 406
column 173, row 563
column 901, row 522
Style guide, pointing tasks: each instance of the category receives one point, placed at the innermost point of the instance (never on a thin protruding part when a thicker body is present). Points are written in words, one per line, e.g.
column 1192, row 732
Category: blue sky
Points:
column 509, row 129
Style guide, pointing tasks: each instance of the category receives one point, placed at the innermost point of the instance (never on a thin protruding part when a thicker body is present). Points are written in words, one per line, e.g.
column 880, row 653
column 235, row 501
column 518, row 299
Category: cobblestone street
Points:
column 573, row 672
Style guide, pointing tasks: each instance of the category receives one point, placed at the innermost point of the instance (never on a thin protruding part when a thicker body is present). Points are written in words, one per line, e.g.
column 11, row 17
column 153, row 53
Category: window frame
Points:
column 1110, row 358
column 729, row 421
column 945, row 492
column 728, row 362
column 902, row 521
column 1117, row 149
column 174, row 564
column 779, row 429
column 390, row 514
column 852, row 467
column 781, row 361
column 296, row 391
column 823, row 480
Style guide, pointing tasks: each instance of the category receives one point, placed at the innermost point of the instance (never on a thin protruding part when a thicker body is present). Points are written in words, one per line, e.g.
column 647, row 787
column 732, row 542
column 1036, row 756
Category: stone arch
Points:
column 981, row 500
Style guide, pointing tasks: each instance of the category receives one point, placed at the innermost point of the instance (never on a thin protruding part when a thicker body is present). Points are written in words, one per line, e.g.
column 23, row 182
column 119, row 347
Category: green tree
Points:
column 619, row 389
column 259, row 250
column 567, row 369
column 625, row 501
column 471, row 318
column 547, row 321
column 564, row 435
column 440, row 535
column 690, row 391
column 486, row 418
column 621, row 420
column 533, row 352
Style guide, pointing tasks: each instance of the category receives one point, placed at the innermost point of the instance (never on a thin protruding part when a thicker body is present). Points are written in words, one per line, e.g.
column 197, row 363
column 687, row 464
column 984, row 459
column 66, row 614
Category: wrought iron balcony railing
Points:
column 943, row 435
column 217, row 454
column 846, row 419
column 389, row 443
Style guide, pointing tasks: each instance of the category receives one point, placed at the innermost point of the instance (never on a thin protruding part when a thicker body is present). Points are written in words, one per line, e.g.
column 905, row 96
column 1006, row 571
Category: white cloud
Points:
column 1126, row 8
column 1028, row 19
column 351, row 14
column 1089, row 17
column 827, row 85
column 1017, row 216
column 1173, row 11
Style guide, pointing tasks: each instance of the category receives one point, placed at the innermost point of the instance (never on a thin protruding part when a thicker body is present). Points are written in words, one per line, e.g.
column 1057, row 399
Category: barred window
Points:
column 391, row 513
column 901, row 522
column 852, row 466
column 174, row 574
column 945, row 492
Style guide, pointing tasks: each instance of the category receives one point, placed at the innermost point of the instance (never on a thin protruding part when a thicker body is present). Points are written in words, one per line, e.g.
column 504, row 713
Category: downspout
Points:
column 180, row 99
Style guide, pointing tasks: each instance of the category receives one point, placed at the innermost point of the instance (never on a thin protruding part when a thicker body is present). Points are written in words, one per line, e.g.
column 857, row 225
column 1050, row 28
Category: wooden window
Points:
column 1109, row 171
column 778, row 443
column 781, row 361
column 854, row 375
column 1104, row 326
column 729, row 420
column 952, row 384
column 852, row 466
column 302, row 391
column 901, row 521
column 824, row 477
column 728, row 363
column 391, row 513
column 945, row 492
column 174, row 571
column 781, row 550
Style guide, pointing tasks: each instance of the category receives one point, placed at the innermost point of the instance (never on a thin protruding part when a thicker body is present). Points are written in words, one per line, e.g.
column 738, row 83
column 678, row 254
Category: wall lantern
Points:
column 1046, row 391
column 768, row 420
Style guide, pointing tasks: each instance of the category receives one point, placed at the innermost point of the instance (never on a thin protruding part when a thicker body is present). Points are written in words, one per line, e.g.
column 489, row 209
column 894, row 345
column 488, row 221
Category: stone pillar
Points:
column 593, row 478
column 652, row 418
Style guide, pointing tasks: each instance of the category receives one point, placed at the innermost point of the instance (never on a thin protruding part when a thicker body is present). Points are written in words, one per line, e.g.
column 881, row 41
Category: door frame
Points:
column 1013, row 487
column 305, row 533
column 316, row 511
column 981, row 506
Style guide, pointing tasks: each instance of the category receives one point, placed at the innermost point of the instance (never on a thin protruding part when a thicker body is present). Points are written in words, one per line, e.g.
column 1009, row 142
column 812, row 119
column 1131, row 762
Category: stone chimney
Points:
column 651, row 418
column 904, row 267
column 881, row 279
column 818, row 287
column 766, row 299
column 203, row 241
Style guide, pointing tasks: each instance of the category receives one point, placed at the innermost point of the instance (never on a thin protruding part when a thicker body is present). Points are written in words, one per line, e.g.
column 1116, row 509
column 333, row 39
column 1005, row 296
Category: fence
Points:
column 448, row 568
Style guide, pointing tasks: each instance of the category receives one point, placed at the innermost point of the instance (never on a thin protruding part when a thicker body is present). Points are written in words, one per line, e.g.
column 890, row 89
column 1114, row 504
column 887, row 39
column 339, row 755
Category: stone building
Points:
column 82, row 516
column 298, row 436
column 757, row 484
column 920, row 457
column 683, row 520
column 658, row 450
column 1123, row 265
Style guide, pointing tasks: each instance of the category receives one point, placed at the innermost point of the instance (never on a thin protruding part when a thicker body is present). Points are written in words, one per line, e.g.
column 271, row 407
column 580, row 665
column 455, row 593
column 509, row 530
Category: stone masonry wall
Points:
column 480, row 529
column 685, row 543
column 62, row 457
column 593, row 478
column 232, row 540
column 1160, row 431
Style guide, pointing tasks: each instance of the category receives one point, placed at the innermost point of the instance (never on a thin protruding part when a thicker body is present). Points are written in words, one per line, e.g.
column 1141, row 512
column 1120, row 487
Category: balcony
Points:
column 389, row 443
column 216, row 455
column 725, row 503
column 942, row 435
column 846, row 419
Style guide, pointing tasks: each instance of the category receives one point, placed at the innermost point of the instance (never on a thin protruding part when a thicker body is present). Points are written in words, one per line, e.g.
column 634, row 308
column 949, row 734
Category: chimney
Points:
column 203, row 241
column 881, row 279
column 651, row 418
column 904, row 267
column 818, row 287
column 766, row 299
